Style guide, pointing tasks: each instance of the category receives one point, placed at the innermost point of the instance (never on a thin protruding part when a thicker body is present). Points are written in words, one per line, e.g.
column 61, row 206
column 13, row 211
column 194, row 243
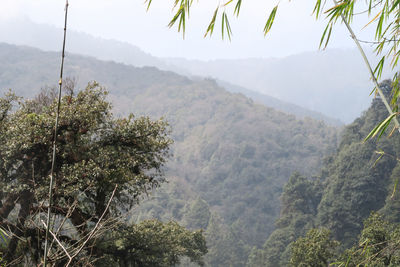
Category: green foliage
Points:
column 96, row 154
column 299, row 200
column 226, row 248
column 198, row 215
column 353, row 182
column 378, row 245
column 316, row 249
column 356, row 183
column 153, row 243
column 391, row 210
column 255, row 258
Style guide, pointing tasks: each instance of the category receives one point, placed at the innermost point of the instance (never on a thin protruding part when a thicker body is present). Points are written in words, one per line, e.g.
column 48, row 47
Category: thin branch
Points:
column 58, row 241
column 367, row 10
column 376, row 42
column 70, row 210
column 95, row 227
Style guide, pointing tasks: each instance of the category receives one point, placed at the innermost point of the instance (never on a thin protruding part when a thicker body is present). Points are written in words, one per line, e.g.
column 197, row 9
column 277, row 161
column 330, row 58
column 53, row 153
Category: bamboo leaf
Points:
column 210, row 28
column 392, row 131
column 181, row 16
column 379, row 68
column 323, row 35
column 381, row 154
column 223, row 24
column 378, row 33
column 317, row 8
column 338, row 6
column 237, row 7
column 228, row 27
column 148, row 4
column 373, row 90
column 377, row 15
column 394, row 5
column 380, row 127
column 329, row 37
column 270, row 20
column 227, row 3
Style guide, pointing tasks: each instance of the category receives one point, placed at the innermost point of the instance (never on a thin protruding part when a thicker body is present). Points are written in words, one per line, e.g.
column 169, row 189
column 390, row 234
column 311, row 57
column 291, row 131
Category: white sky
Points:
column 294, row 31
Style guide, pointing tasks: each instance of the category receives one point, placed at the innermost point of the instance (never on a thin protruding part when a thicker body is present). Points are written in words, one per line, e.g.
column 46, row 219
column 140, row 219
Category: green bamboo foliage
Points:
column 270, row 20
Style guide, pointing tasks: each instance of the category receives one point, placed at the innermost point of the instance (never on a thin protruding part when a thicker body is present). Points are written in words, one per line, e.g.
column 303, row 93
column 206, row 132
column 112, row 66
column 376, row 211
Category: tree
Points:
column 152, row 243
column 378, row 245
column 316, row 249
column 299, row 201
column 104, row 166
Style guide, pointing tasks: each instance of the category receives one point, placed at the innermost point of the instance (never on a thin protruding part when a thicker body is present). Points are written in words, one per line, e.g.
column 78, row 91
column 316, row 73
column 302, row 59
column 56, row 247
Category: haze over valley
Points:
column 172, row 161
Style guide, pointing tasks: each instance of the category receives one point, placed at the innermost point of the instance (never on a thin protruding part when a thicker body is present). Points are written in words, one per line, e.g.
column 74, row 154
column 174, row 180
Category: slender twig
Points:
column 70, row 210
column 371, row 72
column 58, row 241
column 377, row 42
column 367, row 10
column 95, row 227
column 55, row 138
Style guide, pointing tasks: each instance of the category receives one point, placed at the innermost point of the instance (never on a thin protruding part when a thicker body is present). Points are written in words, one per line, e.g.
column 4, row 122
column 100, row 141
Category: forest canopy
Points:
column 104, row 166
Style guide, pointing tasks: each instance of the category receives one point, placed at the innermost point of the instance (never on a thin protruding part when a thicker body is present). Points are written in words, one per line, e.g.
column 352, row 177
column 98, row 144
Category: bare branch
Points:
column 58, row 241
column 95, row 227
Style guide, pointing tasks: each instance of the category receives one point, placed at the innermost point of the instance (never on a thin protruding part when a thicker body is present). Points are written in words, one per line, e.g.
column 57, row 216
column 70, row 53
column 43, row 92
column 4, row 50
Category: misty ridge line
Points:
column 315, row 82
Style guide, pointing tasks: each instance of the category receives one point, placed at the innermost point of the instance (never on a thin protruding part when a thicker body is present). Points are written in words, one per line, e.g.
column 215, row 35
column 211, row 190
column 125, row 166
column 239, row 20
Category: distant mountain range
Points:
column 315, row 82
column 333, row 82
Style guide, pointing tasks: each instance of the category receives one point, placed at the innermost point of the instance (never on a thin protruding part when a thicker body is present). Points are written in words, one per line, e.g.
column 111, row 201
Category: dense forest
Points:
column 230, row 157
column 333, row 213
column 238, row 183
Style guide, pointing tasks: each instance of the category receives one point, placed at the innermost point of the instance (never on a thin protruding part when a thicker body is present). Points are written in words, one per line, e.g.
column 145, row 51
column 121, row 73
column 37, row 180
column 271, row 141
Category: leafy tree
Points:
column 356, row 181
column 198, row 215
column 378, row 245
column 316, row 249
column 104, row 166
column 152, row 243
column 391, row 210
column 226, row 249
column 299, row 200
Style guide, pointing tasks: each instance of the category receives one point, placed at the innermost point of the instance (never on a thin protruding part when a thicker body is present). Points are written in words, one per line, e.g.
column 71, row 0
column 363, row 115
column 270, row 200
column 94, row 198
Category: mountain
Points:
column 49, row 38
column 314, row 80
column 353, row 182
column 277, row 104
column 231, row 156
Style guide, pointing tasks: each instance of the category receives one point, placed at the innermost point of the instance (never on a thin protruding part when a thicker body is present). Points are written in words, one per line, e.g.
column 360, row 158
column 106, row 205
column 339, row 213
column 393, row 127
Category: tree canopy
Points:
column 105, row 165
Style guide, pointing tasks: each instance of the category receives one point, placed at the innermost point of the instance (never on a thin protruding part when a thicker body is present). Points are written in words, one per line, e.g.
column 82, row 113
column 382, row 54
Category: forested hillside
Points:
column 231, row 156
column 352, row 184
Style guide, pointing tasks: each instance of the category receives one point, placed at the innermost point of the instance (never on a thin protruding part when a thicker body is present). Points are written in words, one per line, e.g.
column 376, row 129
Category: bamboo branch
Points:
column 371, row 72
column 53, row 162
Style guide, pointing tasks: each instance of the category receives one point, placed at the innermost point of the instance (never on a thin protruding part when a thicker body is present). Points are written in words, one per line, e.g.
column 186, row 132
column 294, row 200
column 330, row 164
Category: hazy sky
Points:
column 294, row 31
